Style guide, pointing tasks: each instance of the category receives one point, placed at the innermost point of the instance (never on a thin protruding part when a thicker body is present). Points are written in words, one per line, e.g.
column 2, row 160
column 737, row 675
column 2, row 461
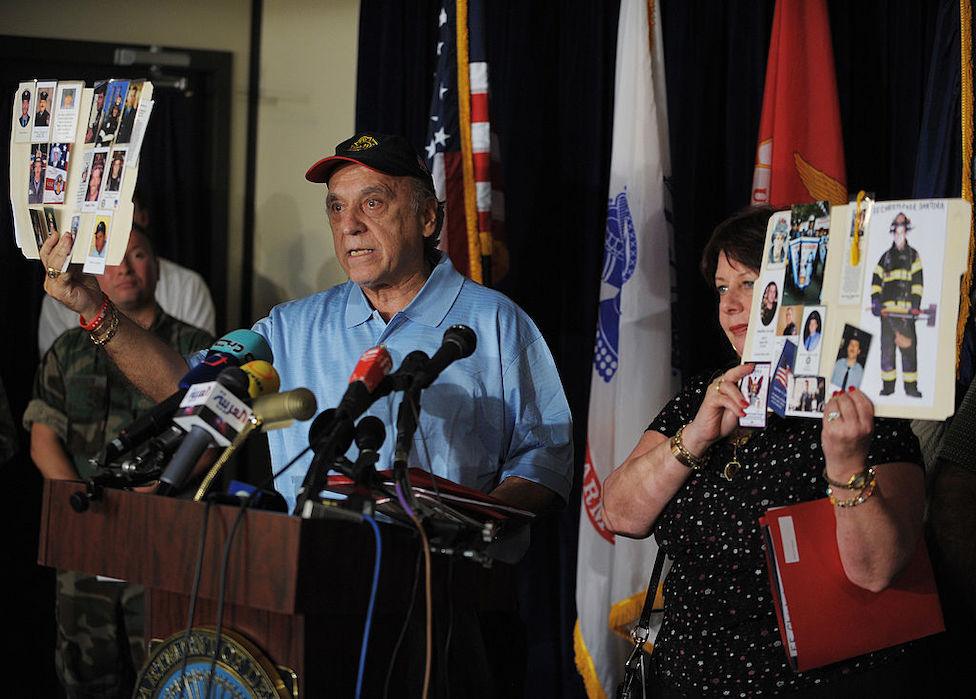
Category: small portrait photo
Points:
column 59, row 185
column 68, row 98
column 806, row 396
column 115, row 170
column 112, row 112
column 75, row 226
column 26, row 98
column 99, row 242
column 778, row 240
column 42, row 117
column 789, row 321
column 769, row 303
column 97, row 110
column 35, row 177
column 95, row 175
column 39, row 225
column 58, row 155
column 51, row 220
column 755, row 389
column 852, row 357
column 129, row 109
column 812, row 330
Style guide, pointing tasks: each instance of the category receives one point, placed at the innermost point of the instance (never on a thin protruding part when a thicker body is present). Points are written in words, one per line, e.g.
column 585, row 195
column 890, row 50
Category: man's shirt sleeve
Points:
column 47, row 405
column 541, row 444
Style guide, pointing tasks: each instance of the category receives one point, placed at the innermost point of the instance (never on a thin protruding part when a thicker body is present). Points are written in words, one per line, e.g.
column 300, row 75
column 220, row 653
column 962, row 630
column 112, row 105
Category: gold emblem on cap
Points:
column 362, row 143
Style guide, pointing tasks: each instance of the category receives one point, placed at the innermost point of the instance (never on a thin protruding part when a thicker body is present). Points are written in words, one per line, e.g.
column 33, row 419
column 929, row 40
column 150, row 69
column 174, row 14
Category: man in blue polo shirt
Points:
column 497, row 420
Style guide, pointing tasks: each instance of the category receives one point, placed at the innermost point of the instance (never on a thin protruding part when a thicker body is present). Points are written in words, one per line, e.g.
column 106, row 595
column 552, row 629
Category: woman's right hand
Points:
column 719, row 413
column 78, row 291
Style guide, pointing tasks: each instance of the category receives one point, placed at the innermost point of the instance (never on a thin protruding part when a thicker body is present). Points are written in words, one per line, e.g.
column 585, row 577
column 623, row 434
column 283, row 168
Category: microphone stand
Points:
column 334, row 444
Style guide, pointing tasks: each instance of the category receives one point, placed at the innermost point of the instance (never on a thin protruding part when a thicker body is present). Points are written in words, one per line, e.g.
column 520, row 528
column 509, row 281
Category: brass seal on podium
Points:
column 241, row 670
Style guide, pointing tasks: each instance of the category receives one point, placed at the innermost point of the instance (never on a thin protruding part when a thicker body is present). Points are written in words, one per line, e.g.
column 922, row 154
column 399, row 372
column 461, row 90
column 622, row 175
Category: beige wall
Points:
column 308, row 74
column 308, row 87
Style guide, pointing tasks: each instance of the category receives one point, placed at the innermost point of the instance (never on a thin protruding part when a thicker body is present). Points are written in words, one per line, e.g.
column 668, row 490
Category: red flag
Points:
column 800, row 156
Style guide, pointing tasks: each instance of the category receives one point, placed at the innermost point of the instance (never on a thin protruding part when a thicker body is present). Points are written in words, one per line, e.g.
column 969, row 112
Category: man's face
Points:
column 900, row 236
column 37, row 168
column 377, row 235
column 131, row 284
column 24, row 107
column 853, row 349
column 42, row 105
column 100, row 100
column 99, row 240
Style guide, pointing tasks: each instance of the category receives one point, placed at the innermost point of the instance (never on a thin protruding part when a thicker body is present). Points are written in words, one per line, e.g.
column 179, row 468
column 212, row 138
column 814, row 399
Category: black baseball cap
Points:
column 391, row 155
column 25, row 97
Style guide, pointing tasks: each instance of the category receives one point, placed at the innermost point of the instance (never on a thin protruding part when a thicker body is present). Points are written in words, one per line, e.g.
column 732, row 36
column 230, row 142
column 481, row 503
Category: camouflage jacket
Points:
column 85, row 399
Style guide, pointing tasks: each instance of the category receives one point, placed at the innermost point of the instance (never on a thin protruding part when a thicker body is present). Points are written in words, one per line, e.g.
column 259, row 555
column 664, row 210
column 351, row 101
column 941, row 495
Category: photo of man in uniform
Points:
column 43, row 116
column 896, row 298
column 25, row 100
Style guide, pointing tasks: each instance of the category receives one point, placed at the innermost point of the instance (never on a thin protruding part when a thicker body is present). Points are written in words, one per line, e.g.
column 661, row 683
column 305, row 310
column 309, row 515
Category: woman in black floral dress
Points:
column 700, row 483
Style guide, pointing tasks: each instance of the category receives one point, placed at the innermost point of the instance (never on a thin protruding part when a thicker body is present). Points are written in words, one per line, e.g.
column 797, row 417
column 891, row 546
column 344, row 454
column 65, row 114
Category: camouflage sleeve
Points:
column 47, row 404
column 917, row 286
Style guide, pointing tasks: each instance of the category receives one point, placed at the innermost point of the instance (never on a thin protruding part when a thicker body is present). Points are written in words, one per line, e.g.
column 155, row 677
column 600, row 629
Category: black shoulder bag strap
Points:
column 634, row 669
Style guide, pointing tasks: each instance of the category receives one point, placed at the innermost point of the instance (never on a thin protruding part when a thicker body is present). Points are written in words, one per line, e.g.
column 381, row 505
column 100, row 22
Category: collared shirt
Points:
column 500, row 412
column 854, row 376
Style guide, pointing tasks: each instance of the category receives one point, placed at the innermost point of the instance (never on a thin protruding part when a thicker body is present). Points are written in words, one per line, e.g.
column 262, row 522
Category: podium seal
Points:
column 241, row 670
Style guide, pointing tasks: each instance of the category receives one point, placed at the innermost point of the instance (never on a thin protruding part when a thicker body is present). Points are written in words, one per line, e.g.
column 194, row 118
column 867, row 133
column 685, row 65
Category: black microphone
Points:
column 214, row 414
column 459, row 342
column 235, row 348
column 403, row 378
column 370, row 434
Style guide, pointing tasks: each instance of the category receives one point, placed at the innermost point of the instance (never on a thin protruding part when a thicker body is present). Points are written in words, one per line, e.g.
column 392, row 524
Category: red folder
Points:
column 824, row 617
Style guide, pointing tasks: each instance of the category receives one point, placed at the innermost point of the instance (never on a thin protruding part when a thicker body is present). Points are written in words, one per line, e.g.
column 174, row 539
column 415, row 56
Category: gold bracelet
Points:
column 858, row 481
column 101, row 335
column 858, row 499
column 682, row 455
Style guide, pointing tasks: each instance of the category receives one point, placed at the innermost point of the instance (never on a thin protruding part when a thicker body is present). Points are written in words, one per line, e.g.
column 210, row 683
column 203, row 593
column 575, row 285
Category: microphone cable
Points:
column 197, row 575
column 372, row 602
column 405, row 626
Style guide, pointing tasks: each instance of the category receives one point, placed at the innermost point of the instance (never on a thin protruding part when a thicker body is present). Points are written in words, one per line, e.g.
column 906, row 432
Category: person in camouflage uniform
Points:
column 896, row 297
column 81, row 401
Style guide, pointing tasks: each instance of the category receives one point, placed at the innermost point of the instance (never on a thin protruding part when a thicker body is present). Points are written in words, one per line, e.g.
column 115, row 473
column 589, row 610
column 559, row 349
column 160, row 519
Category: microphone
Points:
column 370, row 434
column 236, row 346
column 371, row 369
column 403, row 378
column 212, row 414
column 459, row 342
column 262, row 378
column 281, row 409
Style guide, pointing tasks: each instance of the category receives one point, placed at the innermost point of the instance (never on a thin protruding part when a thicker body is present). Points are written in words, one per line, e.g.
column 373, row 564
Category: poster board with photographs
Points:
column 74, row 158
column 872, row 305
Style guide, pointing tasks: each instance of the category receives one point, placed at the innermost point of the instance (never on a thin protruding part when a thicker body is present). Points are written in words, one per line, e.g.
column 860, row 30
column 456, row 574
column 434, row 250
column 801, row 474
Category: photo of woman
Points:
column 770, row 302
column 812, row 332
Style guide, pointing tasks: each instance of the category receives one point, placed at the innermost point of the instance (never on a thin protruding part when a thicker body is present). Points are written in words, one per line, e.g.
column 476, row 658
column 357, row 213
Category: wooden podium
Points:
column 297, row 589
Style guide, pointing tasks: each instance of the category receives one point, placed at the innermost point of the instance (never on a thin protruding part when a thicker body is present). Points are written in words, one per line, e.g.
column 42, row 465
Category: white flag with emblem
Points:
column 632, row 376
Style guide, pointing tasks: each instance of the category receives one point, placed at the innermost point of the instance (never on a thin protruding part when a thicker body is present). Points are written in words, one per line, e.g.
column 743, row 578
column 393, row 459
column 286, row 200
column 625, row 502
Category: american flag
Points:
column 459, row 139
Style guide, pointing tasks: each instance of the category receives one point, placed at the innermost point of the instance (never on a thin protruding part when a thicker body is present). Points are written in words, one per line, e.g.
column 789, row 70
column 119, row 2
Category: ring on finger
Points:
column 718, row 386
column 53, row 273
column 832, row 415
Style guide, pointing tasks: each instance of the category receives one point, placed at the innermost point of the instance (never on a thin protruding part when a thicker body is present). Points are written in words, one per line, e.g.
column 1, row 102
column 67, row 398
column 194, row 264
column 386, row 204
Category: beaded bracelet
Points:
column 858, row 481
column 100, row 337
column 98, row 319
column 858, row 499
column 682, row 455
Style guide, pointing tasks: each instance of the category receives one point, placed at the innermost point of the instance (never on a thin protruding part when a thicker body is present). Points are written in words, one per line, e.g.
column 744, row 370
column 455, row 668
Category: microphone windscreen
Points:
column 262, row 377
column 244, row 345
column 298, row 404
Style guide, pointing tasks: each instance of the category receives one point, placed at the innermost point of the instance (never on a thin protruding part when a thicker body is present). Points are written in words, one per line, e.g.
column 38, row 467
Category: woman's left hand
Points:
column 848, row 424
